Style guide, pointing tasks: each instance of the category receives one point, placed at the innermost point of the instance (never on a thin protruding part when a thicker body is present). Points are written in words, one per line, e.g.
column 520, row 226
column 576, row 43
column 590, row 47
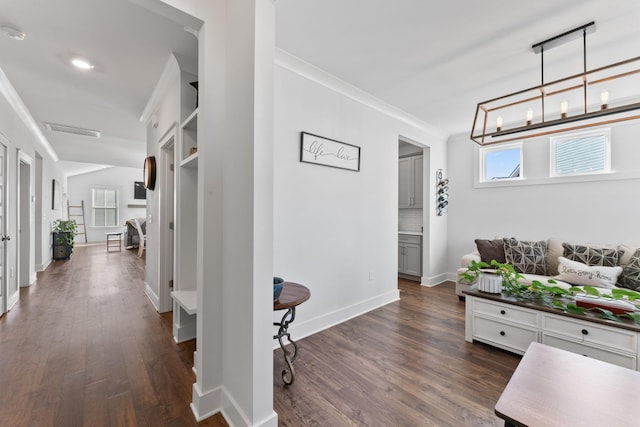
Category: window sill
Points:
column 609, row 176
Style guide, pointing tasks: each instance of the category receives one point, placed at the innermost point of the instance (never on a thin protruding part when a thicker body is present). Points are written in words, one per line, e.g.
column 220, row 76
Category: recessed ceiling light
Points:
column 81, row 63
column 12, row 33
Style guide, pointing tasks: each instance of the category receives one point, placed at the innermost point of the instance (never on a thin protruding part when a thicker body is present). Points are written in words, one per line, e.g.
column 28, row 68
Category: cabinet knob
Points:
column 502, row 333
column 585, row 332
column 503, row 312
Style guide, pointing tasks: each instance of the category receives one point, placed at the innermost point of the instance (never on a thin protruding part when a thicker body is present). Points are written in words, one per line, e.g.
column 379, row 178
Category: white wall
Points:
column 79, row 189
column 604, row 209
column 167, row 116
column 333, row 227
column 21, row 143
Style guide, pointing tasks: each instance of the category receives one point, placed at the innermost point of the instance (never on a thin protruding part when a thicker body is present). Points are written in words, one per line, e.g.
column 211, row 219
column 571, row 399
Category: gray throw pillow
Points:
column 630, row 277
column 593, row 255
column 525, row 256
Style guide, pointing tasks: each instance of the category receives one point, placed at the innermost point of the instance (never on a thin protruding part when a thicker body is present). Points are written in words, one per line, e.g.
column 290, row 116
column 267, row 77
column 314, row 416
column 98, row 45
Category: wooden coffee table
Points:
column 292, row 295
column 552, row 387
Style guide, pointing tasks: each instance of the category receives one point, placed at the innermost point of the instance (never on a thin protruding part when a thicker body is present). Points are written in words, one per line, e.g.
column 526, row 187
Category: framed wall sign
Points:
column 329, row 152
column 54, row 198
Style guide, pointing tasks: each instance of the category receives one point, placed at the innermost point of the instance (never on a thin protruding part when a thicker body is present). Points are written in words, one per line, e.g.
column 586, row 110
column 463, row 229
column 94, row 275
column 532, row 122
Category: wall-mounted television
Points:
column 139, row 192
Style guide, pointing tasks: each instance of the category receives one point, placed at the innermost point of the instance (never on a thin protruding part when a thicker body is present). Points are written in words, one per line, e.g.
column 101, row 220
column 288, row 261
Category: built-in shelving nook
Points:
column 185, row 292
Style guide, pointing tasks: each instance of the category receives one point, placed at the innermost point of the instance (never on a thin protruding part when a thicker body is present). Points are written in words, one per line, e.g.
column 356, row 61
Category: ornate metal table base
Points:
column 292, row 295
column 288, row 375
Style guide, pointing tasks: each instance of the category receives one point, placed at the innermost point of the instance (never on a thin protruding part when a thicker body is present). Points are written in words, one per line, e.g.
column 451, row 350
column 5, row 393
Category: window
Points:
column 580, row 154
column 104, row 204
column 501, row 163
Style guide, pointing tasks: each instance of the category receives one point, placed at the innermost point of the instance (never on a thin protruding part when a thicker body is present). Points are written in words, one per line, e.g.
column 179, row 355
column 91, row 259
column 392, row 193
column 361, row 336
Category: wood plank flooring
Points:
column 404, row 364
column 84, row 346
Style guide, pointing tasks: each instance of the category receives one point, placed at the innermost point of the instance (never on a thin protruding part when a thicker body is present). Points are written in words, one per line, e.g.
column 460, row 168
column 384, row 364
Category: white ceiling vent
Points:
column 74, row 130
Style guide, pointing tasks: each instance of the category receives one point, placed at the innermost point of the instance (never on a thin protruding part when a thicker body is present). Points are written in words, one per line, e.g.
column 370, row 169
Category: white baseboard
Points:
column 205, row 405
column 435, row 280
column 184, row 332
column 333, row 318
column 42, row 267
column 452, row 277
column 151, row 295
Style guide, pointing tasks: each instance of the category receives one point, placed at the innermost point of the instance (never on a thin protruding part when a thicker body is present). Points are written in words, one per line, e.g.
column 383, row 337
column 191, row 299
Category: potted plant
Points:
column 64, row 234
column 576, row 299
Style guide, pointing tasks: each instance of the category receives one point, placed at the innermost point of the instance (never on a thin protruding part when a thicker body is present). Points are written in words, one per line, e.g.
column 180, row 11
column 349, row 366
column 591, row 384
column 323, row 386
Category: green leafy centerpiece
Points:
column 619, row 303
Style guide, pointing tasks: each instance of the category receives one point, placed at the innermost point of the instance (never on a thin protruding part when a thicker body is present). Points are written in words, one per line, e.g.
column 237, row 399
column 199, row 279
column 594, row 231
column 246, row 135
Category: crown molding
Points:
column 169, row 75
column 14, row 100
column 296, row 65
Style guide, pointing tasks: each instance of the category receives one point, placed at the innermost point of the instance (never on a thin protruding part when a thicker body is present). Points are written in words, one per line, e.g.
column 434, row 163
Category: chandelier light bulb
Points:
column 499, row 123
column 529, row 116
column 564, row 106
column 604, row 97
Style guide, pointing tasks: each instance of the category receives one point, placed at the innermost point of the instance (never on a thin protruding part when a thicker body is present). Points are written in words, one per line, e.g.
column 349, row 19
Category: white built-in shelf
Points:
column 190, row 162
column 191, row 122
column 187, row 300
column 189, row 135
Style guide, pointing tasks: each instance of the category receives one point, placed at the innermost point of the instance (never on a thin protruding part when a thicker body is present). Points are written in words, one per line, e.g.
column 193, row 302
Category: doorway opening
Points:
column 24, row 222
column 167, row 220
column 412, row 203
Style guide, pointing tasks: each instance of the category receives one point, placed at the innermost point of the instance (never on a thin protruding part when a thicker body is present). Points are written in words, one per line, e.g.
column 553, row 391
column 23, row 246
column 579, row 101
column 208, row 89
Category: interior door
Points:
column 3, row 229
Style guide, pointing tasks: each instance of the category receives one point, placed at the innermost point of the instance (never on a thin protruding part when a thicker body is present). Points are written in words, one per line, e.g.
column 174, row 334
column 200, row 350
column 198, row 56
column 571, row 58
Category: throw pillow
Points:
column 579, row 273
column 554, row 251
column 630, row 277
column 593, row 255
column 490, row 250
column 526, row 257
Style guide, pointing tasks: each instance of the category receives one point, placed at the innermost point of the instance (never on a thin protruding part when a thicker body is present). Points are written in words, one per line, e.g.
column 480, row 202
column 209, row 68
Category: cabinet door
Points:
column 413, row 260
column 401, row 266
column 405, row 183
column 418, row 185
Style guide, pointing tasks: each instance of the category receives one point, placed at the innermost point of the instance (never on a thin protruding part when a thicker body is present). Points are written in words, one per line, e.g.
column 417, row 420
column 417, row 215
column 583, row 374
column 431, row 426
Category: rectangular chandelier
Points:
column 596, row 97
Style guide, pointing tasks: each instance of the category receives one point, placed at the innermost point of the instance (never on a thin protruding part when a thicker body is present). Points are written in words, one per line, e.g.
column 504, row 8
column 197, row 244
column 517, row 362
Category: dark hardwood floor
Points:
column 84, row 346
column 404, row 364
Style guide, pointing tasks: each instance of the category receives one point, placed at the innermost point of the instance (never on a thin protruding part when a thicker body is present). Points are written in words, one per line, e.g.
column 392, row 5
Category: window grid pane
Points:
column 502, row 163
column 105, row 207
column 581, row 155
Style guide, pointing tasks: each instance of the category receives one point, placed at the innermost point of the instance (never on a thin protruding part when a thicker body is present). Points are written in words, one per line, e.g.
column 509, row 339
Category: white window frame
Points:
column 93, row 216
column 553, row 141
column 501, row 147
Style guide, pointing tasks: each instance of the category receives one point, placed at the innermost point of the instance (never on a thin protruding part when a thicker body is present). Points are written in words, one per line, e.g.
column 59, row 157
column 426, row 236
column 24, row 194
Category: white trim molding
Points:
column 12, row 97
column 151, row 295
column 170, row 73
column 218, row 400
column 320, row 323
column 311, row 72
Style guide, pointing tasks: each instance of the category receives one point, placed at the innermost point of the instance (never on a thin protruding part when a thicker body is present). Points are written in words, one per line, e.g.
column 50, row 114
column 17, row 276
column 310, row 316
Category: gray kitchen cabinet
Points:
column 410, row 254
column 410, row 184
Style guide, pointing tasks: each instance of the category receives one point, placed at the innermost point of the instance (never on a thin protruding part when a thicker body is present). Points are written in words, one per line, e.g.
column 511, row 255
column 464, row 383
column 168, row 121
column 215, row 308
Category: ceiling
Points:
column 129, row 47
column 435, row 60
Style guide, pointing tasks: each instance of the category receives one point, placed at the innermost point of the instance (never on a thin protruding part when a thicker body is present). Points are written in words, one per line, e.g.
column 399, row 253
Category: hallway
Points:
column 85, row 346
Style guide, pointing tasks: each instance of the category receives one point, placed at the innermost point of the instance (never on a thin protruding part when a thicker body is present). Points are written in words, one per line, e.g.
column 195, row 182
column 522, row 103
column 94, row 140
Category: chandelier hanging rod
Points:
column 565, row 37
